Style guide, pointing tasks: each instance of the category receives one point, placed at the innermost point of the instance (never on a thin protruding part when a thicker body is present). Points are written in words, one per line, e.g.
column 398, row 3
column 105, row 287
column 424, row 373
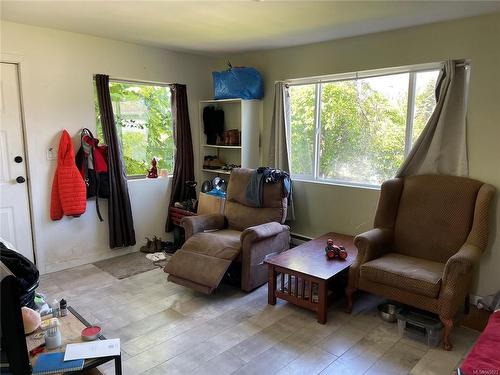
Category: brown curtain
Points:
column 121, row 223
column 184, row 160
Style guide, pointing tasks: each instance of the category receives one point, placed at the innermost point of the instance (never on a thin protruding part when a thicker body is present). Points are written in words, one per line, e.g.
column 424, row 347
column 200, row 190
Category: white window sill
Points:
column 345, row 184
column 144, row 178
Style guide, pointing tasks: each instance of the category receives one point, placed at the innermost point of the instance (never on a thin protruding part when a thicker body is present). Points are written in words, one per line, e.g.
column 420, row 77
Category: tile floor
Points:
column 168, row 329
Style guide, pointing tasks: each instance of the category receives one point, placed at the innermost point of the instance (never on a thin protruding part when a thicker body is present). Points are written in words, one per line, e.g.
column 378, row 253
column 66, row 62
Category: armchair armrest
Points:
column 461, row 264
column 372, row 244
column 262, row 231
column 196, row 224
column 457, row 277
column 257, row 244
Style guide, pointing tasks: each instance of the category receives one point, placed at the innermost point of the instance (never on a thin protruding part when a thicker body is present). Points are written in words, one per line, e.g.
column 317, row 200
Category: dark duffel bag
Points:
column 24, row 270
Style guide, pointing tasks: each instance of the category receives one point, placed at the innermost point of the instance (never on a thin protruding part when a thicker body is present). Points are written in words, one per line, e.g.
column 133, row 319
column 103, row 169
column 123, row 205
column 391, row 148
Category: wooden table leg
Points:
column 271, row 285
column 348, row 293
column 322, row 302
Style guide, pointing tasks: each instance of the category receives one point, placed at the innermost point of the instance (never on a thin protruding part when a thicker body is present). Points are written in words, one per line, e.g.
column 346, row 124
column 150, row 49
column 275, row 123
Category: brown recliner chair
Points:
column 429, row 234
column 244, row 235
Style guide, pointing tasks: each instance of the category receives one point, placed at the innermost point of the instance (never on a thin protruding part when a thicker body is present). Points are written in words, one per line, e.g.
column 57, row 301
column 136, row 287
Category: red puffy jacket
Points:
column 69, row 195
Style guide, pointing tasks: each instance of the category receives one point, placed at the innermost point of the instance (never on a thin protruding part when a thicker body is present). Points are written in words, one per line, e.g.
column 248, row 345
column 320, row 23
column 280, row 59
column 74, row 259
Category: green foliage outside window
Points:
column 362, row 126
column 143, row 120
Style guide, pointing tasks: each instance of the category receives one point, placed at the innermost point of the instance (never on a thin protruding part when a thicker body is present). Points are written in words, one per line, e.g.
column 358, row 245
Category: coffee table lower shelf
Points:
column 300, row 289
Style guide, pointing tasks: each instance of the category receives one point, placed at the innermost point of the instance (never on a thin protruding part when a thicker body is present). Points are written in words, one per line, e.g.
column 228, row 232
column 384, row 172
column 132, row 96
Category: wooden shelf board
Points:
column 218, row 171
column 221, row 101
column 217, row 146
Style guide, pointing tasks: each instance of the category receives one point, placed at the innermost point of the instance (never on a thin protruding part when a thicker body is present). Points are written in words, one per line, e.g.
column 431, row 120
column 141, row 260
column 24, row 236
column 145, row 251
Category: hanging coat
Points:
column 69, row 194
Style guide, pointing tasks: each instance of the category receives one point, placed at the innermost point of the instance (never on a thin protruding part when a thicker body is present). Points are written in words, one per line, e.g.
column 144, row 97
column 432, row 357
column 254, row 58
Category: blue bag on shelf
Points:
column 243, row 83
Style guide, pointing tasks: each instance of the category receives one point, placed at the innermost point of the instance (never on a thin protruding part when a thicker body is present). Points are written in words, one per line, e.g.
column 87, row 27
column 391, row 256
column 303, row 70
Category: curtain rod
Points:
column 129, row 80
column 356, row 75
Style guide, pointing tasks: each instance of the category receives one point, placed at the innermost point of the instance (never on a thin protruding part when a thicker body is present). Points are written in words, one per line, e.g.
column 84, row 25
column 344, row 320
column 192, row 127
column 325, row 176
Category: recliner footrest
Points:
column 197, row 268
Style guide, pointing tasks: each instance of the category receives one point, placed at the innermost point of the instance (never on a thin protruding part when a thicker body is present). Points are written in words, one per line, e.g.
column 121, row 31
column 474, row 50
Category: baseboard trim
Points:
column 298, row 239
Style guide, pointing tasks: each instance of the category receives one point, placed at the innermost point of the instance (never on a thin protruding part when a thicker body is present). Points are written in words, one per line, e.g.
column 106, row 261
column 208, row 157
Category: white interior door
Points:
column 15, row 221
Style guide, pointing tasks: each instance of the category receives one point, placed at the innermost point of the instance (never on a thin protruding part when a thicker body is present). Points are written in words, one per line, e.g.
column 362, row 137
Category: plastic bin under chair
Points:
column 420, row 326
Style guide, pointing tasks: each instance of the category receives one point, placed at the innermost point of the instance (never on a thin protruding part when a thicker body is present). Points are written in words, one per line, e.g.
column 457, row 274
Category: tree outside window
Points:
column 358, row 131
column 143, row 120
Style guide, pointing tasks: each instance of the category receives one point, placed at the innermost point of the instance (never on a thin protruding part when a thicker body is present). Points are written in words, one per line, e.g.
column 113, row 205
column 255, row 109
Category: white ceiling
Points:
column 235, row 26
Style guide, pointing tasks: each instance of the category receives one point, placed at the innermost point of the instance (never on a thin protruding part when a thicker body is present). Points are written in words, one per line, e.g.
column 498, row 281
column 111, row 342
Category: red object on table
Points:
column 91, row 333
column 334, row 251
column 484, row 358
column 37, row 350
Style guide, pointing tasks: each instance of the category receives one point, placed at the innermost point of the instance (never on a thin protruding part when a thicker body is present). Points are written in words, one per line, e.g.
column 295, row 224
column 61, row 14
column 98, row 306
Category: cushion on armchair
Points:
column 434, row 216
column 240, row 215
column 415, row 275
column 483, row 357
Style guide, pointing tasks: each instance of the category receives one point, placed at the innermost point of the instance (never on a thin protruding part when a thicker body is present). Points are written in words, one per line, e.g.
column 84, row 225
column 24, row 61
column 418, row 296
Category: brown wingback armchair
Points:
column 430, row 231
column 243, row 236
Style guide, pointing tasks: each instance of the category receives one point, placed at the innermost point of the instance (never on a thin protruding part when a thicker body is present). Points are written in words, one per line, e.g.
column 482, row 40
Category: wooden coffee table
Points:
column 306, row 273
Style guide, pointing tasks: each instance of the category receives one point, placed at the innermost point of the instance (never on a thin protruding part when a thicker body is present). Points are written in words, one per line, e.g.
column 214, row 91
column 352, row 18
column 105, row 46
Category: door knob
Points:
column 20, row 179
column 18, row 159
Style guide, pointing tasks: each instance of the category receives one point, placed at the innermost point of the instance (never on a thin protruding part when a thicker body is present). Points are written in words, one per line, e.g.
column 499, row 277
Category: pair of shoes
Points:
column 230, row 167
column 212, row 162
column 167, row 247
column 152, row 246
column 148, row 247
column 155, row 257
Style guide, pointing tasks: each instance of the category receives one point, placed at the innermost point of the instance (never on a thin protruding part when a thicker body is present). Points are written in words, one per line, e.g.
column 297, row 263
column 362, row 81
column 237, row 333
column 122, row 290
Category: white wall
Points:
column 57, row 71
column 321, row 208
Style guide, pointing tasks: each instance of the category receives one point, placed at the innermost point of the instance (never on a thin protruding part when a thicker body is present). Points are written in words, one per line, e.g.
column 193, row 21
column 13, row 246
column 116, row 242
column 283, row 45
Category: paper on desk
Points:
column 93, row 349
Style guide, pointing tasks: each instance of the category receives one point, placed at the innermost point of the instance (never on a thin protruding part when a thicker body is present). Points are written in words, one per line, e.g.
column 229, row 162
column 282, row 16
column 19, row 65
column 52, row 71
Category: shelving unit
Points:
column 244, row 115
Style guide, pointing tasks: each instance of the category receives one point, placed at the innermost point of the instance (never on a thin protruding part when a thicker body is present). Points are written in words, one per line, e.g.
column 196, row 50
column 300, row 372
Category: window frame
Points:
column 146, row 83
column 318, row 81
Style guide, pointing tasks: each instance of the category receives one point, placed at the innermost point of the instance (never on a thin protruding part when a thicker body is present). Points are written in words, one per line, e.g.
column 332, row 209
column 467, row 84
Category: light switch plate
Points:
column 51, row 154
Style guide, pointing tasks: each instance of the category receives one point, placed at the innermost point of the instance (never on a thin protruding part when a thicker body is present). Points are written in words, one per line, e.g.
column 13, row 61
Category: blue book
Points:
column 53, row 363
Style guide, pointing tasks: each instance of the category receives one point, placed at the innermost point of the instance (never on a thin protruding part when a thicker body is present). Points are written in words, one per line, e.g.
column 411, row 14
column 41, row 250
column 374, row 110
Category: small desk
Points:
column 306, row 273
column 71, row 328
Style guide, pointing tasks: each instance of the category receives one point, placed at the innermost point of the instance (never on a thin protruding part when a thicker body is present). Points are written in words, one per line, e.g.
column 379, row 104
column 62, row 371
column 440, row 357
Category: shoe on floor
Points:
column 149, row 247
column 155, row 257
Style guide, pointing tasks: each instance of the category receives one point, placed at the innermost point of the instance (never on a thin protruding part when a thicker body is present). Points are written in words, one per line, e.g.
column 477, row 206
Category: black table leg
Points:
column 118, row 365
